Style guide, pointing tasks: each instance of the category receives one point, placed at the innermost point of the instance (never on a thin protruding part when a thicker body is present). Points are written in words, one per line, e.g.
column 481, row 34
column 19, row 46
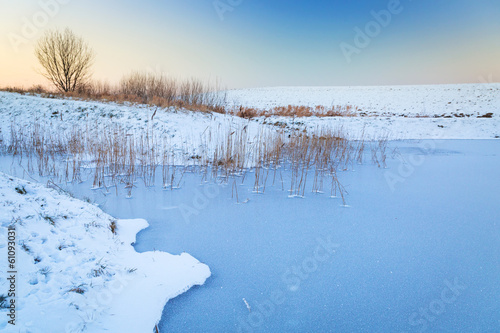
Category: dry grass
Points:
column 297, row 111
column 160, row 90
column 36, row 89
column 145, row 88
column 113, row 227
column 110, row 156
column 77, row 290
column 191, row 94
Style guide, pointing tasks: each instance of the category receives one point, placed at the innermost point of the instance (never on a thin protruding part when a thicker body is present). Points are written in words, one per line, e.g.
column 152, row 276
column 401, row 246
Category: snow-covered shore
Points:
column 182, row 129
column 74, row 274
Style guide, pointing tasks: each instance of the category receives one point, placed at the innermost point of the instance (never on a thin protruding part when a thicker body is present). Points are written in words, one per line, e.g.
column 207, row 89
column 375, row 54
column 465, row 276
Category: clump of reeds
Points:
column 111, row 155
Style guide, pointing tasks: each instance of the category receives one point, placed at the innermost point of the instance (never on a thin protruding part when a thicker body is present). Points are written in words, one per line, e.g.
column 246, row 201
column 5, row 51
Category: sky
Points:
column 263, row 43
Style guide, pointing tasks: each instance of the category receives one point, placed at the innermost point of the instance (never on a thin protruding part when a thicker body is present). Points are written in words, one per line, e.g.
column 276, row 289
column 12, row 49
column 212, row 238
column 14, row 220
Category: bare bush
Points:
column 161, row 90
column 149, row 87
column 99, row 89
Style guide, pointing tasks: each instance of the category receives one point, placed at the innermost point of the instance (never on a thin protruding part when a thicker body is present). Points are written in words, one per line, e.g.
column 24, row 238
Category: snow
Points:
column 184, row 130
column 409, row 100
column 74, row 274
column 85, row 278
column 389, row 110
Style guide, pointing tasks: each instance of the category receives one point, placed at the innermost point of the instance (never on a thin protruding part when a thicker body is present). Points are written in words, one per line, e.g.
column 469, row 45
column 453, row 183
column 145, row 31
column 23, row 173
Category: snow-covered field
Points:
column 423, row 100
column 391, row 109
column 75, row 274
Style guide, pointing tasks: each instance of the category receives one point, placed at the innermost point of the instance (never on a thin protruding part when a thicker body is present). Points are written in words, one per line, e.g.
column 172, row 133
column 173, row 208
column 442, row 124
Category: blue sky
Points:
column 269, row 43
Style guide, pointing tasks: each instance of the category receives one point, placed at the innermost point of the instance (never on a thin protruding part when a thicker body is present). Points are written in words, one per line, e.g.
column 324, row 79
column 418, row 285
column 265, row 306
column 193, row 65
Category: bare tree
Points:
column 66, row 59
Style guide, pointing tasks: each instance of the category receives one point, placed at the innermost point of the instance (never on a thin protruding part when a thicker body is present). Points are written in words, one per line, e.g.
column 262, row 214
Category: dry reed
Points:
column 111, row 155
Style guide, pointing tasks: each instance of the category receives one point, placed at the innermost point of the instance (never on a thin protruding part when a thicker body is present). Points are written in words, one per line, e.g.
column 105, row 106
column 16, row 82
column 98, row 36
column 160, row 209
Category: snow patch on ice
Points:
column 75, row 274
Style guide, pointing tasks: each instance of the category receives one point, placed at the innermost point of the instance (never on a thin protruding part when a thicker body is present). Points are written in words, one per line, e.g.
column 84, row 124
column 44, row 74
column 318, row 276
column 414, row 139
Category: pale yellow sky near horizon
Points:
column 135, row 38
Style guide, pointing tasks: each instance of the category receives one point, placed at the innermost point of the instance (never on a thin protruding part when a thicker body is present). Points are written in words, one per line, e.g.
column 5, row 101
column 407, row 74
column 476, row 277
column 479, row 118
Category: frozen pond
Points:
column 417, row 249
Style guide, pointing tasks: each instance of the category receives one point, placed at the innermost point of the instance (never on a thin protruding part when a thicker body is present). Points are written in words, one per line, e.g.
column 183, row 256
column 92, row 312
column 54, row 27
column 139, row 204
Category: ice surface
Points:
column 421, row 235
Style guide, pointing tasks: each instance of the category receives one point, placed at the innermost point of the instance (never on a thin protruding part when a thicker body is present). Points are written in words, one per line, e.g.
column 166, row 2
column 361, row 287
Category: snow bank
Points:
column 74, row 274
column 183, row 130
